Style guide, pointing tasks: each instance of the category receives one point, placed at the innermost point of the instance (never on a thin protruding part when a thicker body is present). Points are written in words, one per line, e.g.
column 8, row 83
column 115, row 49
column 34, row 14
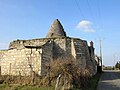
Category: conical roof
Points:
column 56, row 30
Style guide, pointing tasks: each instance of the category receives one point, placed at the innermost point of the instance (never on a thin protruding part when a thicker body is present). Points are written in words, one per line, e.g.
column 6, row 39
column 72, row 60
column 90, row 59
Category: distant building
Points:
column 26, row 55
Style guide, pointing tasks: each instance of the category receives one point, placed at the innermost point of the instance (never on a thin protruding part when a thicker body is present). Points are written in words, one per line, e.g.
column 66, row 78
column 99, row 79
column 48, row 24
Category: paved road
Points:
column 110, row 80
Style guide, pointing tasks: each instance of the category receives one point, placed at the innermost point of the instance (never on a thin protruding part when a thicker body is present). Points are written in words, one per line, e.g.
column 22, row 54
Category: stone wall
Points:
column 18, row 61
column 68, row 47
column 93, row 61
column 22, row 43
column 24, row 56
column 59, row 47
column 79, row 51
column 47, row 56
column 85, row 54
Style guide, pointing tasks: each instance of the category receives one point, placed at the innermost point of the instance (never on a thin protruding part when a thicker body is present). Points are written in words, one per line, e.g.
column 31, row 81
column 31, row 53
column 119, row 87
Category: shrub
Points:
column 69, row 72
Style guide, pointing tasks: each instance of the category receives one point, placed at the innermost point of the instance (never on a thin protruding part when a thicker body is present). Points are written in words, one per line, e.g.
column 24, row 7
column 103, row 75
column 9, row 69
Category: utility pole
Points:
column 114, row 62
column 101, row 52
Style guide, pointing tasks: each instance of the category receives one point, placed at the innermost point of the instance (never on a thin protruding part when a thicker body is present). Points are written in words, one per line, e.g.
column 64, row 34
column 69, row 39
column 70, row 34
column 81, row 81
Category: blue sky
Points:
column 85, row 19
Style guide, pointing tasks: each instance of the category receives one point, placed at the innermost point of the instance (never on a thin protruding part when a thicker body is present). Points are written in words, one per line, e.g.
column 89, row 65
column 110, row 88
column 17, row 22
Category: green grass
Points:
column 92, row 86
column 94, row 82
column 18, row 87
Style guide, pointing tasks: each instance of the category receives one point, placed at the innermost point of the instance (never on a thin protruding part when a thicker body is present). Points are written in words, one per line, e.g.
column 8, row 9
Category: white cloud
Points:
column 85, row 26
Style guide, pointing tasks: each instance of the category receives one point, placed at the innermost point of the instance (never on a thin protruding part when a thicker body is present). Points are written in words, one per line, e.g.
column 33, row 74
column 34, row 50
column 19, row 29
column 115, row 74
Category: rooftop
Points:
column 56, row 30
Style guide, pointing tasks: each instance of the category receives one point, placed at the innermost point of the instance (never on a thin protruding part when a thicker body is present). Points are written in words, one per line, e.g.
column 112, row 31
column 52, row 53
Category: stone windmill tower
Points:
column 56, row 30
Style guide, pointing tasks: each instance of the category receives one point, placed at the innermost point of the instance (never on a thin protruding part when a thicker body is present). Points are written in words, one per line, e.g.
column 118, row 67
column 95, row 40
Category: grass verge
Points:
column 94, row 82
column 18, row 87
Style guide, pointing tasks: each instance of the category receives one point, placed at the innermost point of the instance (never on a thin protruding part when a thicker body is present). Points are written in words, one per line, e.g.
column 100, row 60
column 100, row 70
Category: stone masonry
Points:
column 24, row 56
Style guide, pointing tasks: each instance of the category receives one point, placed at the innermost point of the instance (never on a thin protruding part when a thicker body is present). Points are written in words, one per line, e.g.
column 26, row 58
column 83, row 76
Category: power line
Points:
column 99, row 13
column 79, row 8
column 89, row 6
column 101, row 52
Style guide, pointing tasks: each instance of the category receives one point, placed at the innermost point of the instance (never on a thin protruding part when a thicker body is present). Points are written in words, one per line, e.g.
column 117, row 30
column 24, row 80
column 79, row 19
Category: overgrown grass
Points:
column 94, row 82
column 92, row 86
column 18, row 87
column 63, row 73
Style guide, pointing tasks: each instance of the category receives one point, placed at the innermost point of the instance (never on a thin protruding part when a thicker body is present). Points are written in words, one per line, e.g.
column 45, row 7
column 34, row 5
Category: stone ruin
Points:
column 24, row 55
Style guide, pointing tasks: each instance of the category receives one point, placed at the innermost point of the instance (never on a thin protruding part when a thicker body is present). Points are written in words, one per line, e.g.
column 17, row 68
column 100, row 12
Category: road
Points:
column 110, row 80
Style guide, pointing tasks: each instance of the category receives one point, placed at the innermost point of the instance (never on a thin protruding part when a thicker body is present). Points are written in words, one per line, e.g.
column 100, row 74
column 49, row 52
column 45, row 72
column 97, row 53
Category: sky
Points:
column 89, row 20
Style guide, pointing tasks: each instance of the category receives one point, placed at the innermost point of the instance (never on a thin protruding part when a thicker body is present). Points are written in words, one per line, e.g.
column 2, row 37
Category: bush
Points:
column 64, row 73
column 69, row 72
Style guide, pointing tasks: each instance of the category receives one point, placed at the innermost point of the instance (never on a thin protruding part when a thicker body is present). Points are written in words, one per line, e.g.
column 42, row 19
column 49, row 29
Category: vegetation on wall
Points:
column 67, row 73
column 63, row 73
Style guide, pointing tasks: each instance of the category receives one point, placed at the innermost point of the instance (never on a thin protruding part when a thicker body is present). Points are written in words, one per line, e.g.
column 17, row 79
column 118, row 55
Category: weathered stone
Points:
column 24, row 56
column 56, row 30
